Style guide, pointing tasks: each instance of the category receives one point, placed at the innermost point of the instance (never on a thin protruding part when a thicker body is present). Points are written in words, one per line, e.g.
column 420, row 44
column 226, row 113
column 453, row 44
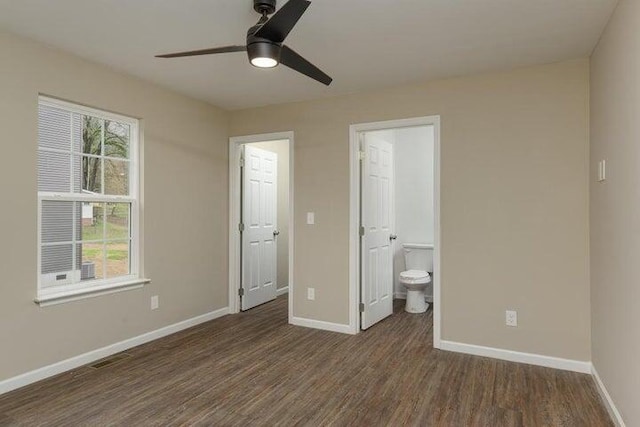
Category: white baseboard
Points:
column 320, row 324
column 91, row 356
column 282, row 291
column 615, row 415
column 516, row 356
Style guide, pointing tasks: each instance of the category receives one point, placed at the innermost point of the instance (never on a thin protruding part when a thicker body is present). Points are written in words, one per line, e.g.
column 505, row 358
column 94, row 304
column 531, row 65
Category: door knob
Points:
column 276, row 232
column 393, row 236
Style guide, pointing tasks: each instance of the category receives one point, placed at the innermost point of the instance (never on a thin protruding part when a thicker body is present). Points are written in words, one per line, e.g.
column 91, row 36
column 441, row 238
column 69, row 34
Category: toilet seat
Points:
column 415, row 277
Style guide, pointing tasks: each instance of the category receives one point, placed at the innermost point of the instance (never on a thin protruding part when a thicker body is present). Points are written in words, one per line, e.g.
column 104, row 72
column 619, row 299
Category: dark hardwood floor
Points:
column 255, row 369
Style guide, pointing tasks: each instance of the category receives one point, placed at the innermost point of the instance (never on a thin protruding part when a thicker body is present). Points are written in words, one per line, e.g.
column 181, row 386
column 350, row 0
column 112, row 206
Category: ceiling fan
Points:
column 265, row 40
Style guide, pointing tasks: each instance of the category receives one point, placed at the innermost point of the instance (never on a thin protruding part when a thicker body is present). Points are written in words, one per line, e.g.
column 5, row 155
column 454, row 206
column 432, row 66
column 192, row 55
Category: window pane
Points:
column 54, row 172
column 92, row 261
column 92, row 221
column 56, row 259
column 118, row 259
column 91, row 175
column 116, row 177
column 118, row 220
column 57, row 221
column 54, row 128
column 116, row 139
column 92, row 135
column 82, row 154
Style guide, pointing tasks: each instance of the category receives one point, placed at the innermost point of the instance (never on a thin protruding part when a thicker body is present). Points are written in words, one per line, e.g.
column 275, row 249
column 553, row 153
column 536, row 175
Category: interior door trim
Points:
column 354, row 217
column 235, row 144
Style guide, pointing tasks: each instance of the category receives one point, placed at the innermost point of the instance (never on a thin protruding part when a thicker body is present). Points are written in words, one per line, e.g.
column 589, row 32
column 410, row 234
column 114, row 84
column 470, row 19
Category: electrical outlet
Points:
column 311, row 294
column 311, row 218
column 512, row 318
column 155, row 302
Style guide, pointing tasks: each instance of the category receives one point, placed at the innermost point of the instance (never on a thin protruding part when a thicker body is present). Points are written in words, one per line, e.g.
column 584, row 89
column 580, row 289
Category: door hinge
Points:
column 241, row 292
column 241, row 227
column 362, row 155
column 361, row 231
column 361, row 307
column 241, row 162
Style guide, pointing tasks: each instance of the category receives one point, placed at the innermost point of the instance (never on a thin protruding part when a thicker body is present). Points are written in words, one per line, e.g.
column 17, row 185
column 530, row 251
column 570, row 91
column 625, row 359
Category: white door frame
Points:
column 354, row 216
column 235, row 144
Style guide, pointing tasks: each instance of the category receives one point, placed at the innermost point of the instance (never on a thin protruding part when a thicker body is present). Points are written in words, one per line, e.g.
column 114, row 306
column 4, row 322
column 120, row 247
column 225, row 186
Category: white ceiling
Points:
column 362, row 44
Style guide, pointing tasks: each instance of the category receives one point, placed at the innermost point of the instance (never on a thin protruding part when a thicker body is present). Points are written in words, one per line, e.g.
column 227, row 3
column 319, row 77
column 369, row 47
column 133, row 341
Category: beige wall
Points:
column 514, row 204
column 615, row 209
column 514, row 201
column 281, row 148
column 185, row 225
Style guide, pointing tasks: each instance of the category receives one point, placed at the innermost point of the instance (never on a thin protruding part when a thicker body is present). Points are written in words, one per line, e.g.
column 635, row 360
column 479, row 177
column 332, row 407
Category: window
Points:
column 87, row 200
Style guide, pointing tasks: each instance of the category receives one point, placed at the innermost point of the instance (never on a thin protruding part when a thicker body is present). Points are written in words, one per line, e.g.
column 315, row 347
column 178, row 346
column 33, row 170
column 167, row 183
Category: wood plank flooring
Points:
column 255, row 369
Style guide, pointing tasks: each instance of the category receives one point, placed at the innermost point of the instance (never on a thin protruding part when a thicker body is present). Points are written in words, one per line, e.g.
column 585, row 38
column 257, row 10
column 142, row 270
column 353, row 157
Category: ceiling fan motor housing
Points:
column 259, row 47
column 262, row 48
column 264, row 6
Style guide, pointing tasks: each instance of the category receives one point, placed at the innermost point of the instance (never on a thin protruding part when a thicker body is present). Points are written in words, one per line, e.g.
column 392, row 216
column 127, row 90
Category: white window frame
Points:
column 68, row 292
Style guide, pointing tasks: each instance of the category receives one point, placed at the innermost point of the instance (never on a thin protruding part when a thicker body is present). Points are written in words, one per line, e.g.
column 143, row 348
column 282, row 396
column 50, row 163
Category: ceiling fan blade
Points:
column 225, row 49
column 282, row 22
column 296, row 62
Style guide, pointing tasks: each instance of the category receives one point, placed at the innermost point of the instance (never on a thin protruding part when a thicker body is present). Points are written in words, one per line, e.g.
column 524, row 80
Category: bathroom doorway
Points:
column 392, row 207
column 260, row 220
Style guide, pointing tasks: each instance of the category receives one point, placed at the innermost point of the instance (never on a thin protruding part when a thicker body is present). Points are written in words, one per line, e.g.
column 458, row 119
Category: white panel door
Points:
column 377, row 215
column 259, row 216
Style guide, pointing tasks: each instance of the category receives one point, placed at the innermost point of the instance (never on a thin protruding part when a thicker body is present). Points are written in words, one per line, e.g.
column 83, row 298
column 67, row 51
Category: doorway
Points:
column 260, row 219
column 373, row 231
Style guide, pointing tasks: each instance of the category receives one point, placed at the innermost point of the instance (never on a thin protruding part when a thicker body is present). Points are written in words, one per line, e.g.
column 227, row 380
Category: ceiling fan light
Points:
column 263, row 54
column 264, row 62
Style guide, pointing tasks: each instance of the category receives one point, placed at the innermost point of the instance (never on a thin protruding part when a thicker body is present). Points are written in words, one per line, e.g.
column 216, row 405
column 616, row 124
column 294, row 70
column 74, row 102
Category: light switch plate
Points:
column 311, row 218
column 602, row 170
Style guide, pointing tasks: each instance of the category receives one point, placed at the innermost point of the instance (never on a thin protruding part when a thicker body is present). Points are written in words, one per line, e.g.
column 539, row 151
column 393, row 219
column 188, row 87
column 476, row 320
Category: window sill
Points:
column 63, row 297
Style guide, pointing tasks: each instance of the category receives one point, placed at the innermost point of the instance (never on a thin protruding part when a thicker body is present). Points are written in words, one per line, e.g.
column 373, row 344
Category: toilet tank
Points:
column 418, row 256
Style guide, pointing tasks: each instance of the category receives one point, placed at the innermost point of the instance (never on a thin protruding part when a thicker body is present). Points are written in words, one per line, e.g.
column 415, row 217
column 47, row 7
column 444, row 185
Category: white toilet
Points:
column 418, row 258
